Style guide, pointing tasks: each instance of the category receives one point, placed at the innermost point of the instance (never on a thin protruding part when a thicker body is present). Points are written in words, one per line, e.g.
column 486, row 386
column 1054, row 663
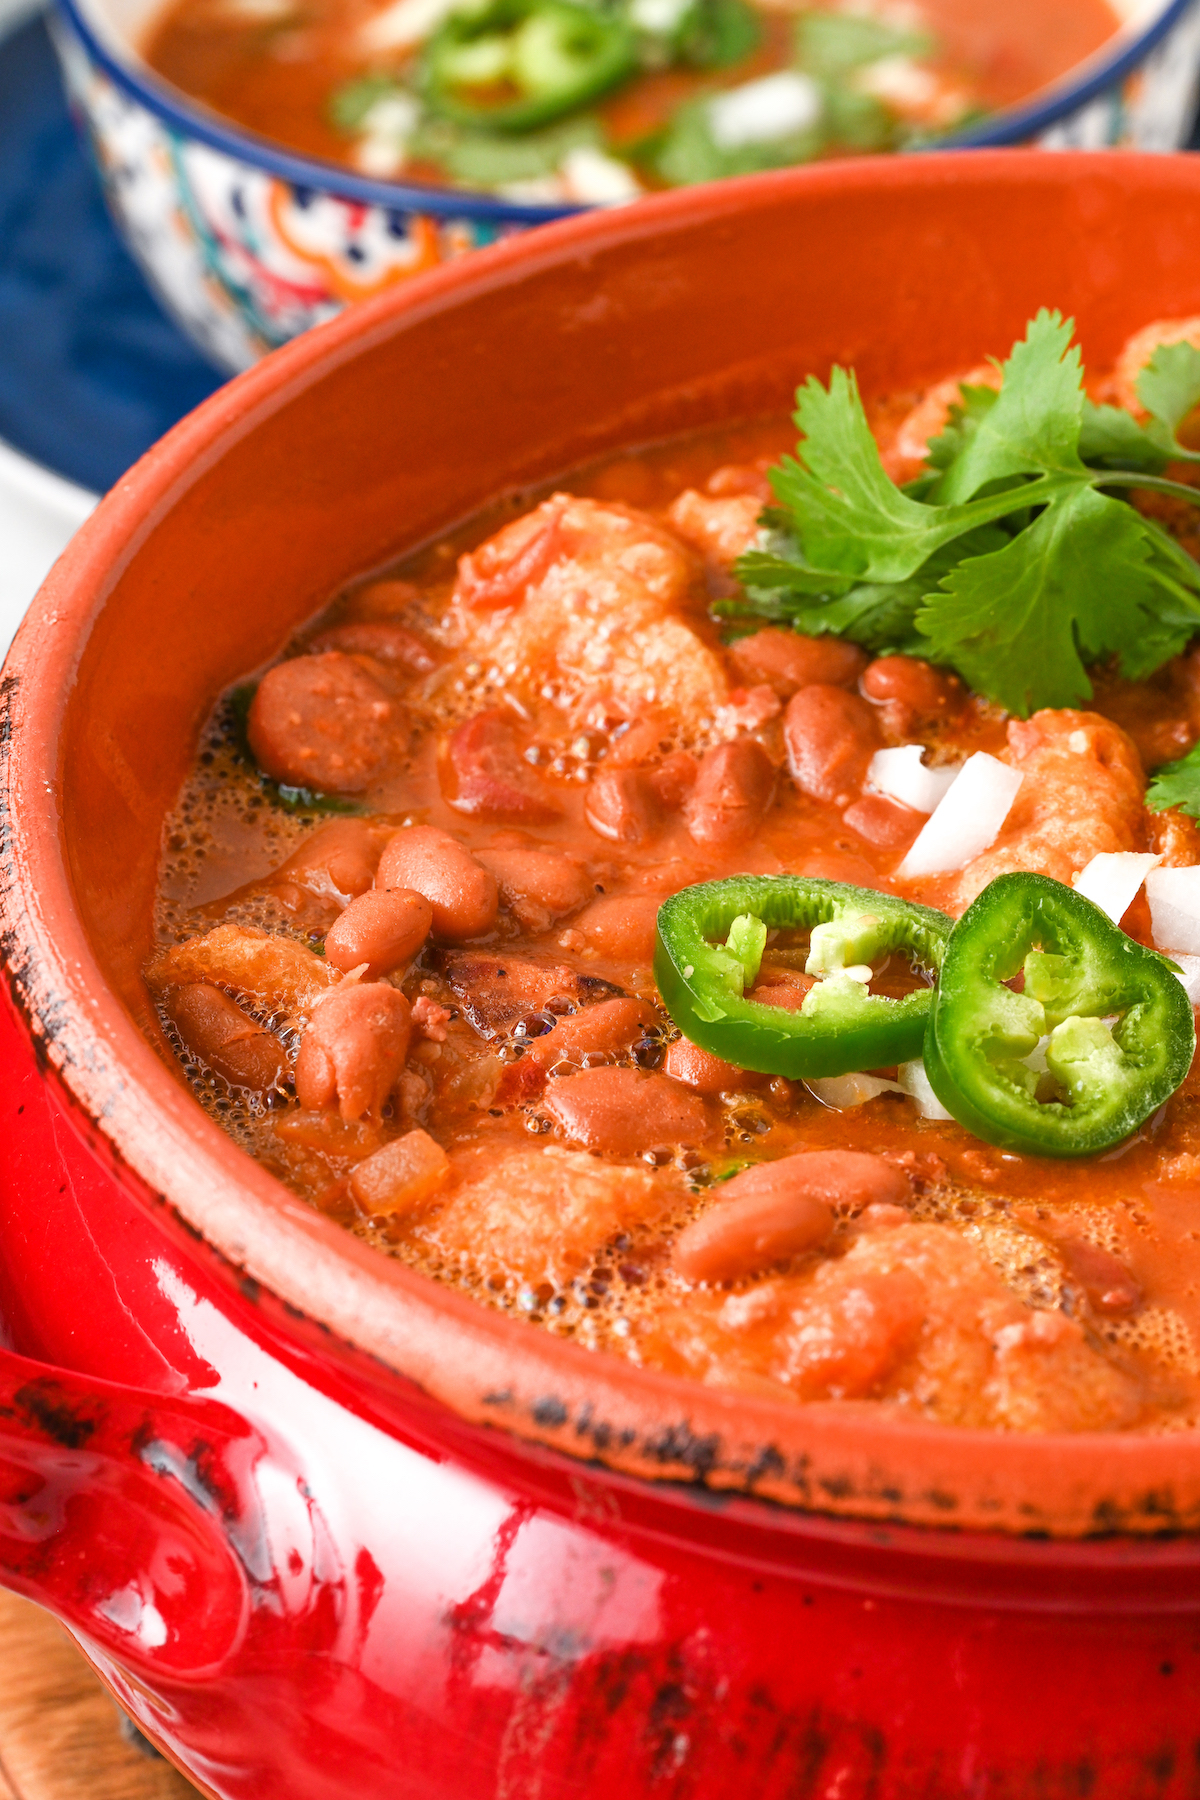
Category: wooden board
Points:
column 60, row 1733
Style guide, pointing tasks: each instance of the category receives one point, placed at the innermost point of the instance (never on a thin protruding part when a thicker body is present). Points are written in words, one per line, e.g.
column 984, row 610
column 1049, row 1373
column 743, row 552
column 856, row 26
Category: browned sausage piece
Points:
column 487, row 776
column 538, row 885
column 831, row 737
column 779, row 1209
column 383, row 928
column 733, row 790
column 337, row 862
column 622, row 1112
column 212, row 1025
column 621, row 805
column 460, row 890
column 323, row 722
column 700, row 1070
column 353, row 1050
column 788, row 661
column 387, row 643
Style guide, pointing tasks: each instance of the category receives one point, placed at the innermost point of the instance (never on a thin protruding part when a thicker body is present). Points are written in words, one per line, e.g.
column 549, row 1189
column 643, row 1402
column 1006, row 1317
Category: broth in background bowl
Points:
column 267, row 167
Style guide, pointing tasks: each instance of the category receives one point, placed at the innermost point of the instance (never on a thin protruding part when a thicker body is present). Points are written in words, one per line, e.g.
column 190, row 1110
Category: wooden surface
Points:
column 60, row 1734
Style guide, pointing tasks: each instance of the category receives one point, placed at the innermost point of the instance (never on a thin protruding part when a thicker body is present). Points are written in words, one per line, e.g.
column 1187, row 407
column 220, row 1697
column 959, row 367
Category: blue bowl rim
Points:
column 1011, row 126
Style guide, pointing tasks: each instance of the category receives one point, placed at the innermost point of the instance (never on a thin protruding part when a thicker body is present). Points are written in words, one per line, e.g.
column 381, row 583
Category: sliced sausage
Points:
column 462, row 893
column 498, row 573
column 831, row 737
column 622, row 806
column 390, row 644
column 623, row 1112
column 215, row 1028
column 538, row 885
column 487, row 776
column 498, row 991
column 401, row 1176
column 353, row 1049
column 336, row 862
column 788, row 661
column 323, row 722
column 733, row 790
column 383, row 928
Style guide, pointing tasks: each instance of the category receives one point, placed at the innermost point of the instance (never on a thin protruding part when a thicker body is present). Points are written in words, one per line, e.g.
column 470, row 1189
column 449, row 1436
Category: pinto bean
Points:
column 323, row 722
column 460, row 890
column 700, row 1070
column 488, row 777
column 733, row 790
column 928, row 693
column 622, row 1112
column 354, row 1049
column 780, row 1209
column 620, row 926
column 605, row 1029
column 621, row 805
column 383, row 599
column 390, row 644
column 885, row 823
column 539, row 885
column 674, row 779
column 212, row 1025
column 400, row 1176
column 383, row 929
column 788, row 661
column 831, row 737
column 337, row 862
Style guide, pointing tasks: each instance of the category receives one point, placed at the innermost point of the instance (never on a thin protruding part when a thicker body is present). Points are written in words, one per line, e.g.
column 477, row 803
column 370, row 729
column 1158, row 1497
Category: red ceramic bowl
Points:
column 329, row 1530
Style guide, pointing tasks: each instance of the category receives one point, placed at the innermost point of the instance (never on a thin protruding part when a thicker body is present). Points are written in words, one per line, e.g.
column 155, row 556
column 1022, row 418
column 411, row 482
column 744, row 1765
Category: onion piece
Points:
column 1112, row 879
column 1174, row 896
column 1189, row 974
column 844, row 1091
column 901, row 775
column 917, row 1085
column 966, row 821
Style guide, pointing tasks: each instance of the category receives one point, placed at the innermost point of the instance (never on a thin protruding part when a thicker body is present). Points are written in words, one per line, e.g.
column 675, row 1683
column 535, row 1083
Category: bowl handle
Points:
column 132, row 1516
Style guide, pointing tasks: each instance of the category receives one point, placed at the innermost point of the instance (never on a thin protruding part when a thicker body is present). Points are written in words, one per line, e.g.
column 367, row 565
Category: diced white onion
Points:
column 917, row 1085
column 1174, row 896
column 1112, row 879
column 967, row 820
column 843, row 1091
column 596, row 179
column 404, row 23
column 901, row 775
column 659, row 17
column 1189, row 974
column 758, row 112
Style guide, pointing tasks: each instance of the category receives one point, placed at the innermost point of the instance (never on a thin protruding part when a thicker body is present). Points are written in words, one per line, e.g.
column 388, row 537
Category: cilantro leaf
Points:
column 1032, row 426
column 966, row 415
column 1111, row 438
column 1081, row 583
column 1177, row 784
column 1169, row 387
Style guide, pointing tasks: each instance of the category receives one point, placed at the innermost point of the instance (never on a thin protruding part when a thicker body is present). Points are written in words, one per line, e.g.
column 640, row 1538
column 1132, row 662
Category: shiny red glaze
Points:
column 284, row 1529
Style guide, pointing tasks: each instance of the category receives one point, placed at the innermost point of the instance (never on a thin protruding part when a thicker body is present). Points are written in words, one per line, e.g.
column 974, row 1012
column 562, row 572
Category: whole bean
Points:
column 621, row 805
column 606, row 1028
column 382, row 928
column 780, row 1209
column 336, row 862
column 539, row 885
column 885, row 823
column 700, row 1070
column 788, row 661
column 733, row 790
column 622, row 1112
column 212, row 1025
column 461, row 892
column 322, row 722
column 927, row 692
column 620, row 926
column 353, row 1049
column 831, row 737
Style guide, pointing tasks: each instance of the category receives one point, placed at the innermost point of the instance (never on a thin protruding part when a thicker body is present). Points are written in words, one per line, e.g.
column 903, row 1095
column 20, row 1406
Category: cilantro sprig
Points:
column 1177, row 785
column 1006, row 561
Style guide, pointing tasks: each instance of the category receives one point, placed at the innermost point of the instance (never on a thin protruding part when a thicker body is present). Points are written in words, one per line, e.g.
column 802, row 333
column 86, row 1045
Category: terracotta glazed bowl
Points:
column 327, row 1528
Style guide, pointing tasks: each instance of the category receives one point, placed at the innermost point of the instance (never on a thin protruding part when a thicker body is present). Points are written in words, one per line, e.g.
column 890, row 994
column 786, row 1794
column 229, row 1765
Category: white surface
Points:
column 900, row 774
column 39, row 514
column 966, row 821
column 1112, row 879
column 1174, row 896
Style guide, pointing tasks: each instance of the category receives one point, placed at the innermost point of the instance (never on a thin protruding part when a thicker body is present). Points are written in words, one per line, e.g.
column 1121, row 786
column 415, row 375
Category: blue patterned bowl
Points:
column 247, row 243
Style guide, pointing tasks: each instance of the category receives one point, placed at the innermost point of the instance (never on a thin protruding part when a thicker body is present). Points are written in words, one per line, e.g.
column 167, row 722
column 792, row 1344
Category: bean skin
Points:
column 382, row 928
column 781, row 1209
column 354, row 1048
column 831, row 737
column 621, row 1112
column 462, row 893
column 621, row 805
column 336, row 863
column 733, row 790
column 539, row 885
column 787, row 661
column 323, row 722
column 703, row 1072
column 212, row 1025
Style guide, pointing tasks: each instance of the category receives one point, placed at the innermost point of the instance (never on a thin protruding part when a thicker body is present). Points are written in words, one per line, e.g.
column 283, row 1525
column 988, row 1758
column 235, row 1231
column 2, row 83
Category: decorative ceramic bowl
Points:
column 247, row 243
column 332, row 1531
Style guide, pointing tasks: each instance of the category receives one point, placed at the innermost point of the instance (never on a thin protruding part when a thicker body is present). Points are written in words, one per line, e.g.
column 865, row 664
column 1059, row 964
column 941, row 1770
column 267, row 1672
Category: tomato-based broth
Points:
column 595, row 100
column 406, row 941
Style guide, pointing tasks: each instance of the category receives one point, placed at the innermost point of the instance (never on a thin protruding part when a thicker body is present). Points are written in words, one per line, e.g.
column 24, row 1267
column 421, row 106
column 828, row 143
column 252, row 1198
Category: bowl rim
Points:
column 486, row 1367
column 1115, row 59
